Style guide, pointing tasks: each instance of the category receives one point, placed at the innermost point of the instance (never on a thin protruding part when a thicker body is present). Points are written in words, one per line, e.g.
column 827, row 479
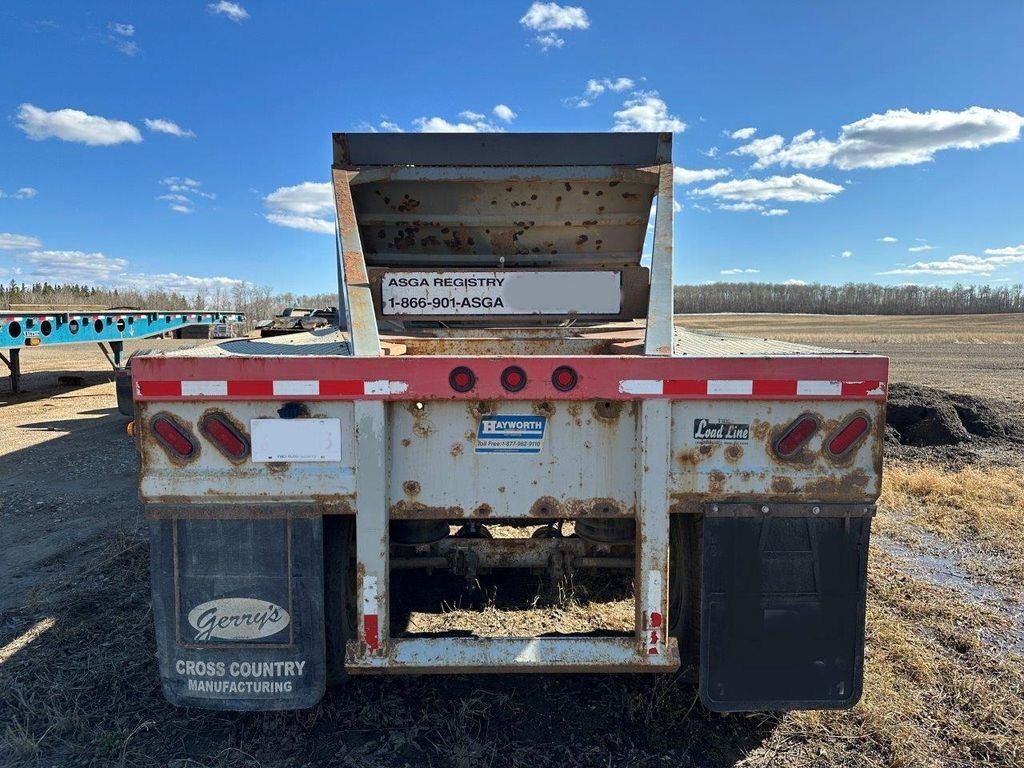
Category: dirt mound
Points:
column 923, row 416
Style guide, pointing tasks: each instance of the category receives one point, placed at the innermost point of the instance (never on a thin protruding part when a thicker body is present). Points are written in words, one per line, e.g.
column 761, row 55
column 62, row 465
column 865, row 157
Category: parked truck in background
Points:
column 507, row 356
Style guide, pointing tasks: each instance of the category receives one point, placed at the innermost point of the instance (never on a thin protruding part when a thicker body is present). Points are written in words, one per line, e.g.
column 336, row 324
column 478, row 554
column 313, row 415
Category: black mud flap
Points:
column 782, row 622
column 238, row 605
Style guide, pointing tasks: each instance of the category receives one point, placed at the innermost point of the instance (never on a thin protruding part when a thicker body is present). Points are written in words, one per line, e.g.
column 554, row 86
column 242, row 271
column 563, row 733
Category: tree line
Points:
column 849, row 299
column 262, row 303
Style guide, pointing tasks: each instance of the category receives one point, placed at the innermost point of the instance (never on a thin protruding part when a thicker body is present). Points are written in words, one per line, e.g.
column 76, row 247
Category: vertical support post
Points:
column 360, row 316
column 658, row 337
column 372, row 543
column 117, row 347
column 651, row 578
column 14, row 366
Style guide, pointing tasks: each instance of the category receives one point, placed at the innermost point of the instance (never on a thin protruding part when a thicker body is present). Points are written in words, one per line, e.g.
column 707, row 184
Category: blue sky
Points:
column 187, row 144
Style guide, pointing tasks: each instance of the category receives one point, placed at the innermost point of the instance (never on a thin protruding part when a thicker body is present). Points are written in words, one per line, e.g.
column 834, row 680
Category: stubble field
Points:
column 945, row 632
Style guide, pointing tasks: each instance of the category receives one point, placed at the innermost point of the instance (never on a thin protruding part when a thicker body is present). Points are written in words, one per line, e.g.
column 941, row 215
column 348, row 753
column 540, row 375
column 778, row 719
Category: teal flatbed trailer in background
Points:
column 109, row 326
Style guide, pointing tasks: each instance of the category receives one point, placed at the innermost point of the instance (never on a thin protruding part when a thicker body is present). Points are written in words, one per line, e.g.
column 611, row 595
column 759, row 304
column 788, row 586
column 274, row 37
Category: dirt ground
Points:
column 945, row 647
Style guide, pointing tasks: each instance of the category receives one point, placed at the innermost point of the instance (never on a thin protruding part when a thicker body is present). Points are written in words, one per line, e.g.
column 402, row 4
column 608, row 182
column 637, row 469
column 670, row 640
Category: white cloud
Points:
column 1013, row 250
column 545, row 18
column 595, row 87
column 616, row 84
column 477, row 124
column 686, row 176
column 99, row 269
column 919, row 248
column 308, row 206
column 646, row 111
column 24, row 193
column 181, row 193
column 550, row 40
column 12, row 242
column 504, row 113
column 120, row 36
column 775, row 212
column 710, row 152
column 74, row 125
column 72, row 266
column 846, row 254
column 742, row 134
column 158, row 125
column 794, row 281
column 739, row 207
column 233, row 11
column 888, row 239
column 798, row 188
column 739, row 271
column 897, row 137
column 960, row 264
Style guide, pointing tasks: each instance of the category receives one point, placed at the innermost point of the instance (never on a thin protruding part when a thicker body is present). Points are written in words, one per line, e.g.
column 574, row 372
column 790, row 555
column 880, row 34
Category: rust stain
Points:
column 839, row 486
column 544, row 409
column 479, row 409
column 470, row 435
column 411, row 488
column 549, row 506
column 501, row 489
column 411, row 510
column 456, row 450
column 277, row 467
column 406, row 442
column 608, row 410
column 573, row 409
column 761, row 429
column 716, row 481
column 782, row 485
column 484, row 510
column 733, row 453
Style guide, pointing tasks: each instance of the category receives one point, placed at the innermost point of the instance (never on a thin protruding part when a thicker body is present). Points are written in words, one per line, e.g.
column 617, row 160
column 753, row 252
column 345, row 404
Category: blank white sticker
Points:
column 296, row 440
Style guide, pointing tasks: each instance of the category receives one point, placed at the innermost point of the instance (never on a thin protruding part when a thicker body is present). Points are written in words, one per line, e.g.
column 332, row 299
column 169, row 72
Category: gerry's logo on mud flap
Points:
column 710, row 430
column 237, row 618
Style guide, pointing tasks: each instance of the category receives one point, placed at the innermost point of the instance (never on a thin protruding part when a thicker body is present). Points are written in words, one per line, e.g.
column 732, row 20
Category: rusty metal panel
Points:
column 213, row 478
column 732, row 455
column 585, row 466
column 530, row 654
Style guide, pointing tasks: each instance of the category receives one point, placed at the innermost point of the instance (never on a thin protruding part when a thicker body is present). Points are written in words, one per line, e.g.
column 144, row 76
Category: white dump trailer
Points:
column 507, row 358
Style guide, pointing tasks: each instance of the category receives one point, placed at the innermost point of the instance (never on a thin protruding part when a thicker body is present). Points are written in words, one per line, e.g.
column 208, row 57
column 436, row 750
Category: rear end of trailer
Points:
column 508, row 362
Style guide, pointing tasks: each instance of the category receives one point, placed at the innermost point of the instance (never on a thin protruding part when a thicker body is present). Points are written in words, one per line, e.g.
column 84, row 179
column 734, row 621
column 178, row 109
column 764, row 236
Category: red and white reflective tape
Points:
column 371, row 623
column 751, row 388
column 270, row 388
column 655, row 630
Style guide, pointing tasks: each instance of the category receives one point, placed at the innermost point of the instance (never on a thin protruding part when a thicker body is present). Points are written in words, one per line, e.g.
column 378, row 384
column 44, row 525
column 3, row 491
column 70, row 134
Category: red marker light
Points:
column 564, row 378
column 225, row 436
column 794, row 438
column 462, row 379
column 848, row 435
column 513, row 378
column 173, row 436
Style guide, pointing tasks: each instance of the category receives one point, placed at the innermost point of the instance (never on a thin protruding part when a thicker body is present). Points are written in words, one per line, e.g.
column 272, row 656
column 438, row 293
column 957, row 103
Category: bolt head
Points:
column 815, row 510
column 765, row 509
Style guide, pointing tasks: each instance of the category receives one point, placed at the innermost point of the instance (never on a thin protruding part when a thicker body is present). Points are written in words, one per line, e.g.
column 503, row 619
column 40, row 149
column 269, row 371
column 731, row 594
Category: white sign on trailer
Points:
column 501, row 292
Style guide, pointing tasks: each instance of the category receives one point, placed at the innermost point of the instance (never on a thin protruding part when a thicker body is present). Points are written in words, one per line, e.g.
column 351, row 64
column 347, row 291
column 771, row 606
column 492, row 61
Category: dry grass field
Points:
column 944, row 680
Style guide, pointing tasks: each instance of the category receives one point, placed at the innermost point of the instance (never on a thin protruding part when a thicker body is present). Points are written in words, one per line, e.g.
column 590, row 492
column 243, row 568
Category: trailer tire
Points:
column 686, row 549
column 339, row 593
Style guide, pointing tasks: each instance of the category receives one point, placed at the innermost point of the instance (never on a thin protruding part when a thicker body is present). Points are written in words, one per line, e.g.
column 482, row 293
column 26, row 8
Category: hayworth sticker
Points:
column 510, row 433
column 501, row 292
column 712, row 430
column 237, row 618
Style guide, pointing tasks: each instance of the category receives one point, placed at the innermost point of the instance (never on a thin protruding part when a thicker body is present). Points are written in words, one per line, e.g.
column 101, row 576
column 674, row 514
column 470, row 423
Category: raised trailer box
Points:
column 507, row 392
